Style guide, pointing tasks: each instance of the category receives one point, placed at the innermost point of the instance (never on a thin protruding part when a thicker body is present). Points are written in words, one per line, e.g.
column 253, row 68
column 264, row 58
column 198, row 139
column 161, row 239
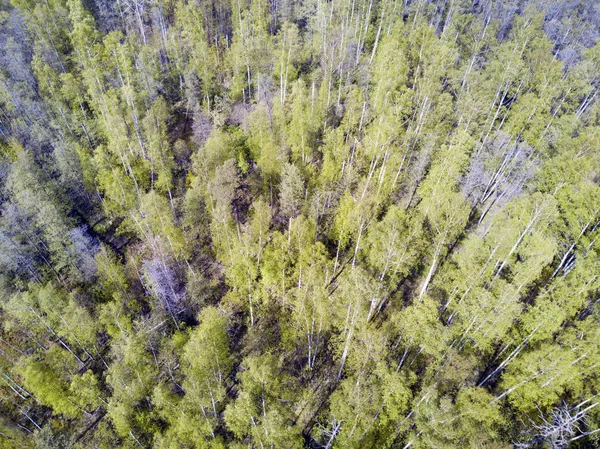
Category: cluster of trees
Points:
column 284, row 224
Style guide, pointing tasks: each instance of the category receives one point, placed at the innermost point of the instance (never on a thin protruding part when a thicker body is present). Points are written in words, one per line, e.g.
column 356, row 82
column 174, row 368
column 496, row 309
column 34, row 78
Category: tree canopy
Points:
column 299, row 224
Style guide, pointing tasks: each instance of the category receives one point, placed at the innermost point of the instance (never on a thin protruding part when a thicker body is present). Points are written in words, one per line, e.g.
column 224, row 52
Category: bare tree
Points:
column 498, row 173
column 136, row 8
column 329, row 432
column 564, row 425
column 166, row 285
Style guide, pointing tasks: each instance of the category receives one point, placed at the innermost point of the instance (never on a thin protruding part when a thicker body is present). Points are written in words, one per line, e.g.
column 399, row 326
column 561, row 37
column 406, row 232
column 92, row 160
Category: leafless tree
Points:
column 166, row 285
column 329, row 432
column 83, row 249
column 136, row 9
column 498, row 173
column 564, row 425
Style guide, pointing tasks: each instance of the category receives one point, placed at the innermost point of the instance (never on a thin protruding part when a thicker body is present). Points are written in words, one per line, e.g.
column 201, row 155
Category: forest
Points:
column 321, row 224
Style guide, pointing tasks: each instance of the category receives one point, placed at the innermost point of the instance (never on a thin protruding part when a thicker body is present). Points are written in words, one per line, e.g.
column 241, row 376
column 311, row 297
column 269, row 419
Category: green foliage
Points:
column 346, row 224
column 258, row 413
column 48, row 387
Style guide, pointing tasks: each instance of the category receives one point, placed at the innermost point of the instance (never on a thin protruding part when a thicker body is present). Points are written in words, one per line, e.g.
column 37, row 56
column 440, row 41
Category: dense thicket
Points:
column 285, row 224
